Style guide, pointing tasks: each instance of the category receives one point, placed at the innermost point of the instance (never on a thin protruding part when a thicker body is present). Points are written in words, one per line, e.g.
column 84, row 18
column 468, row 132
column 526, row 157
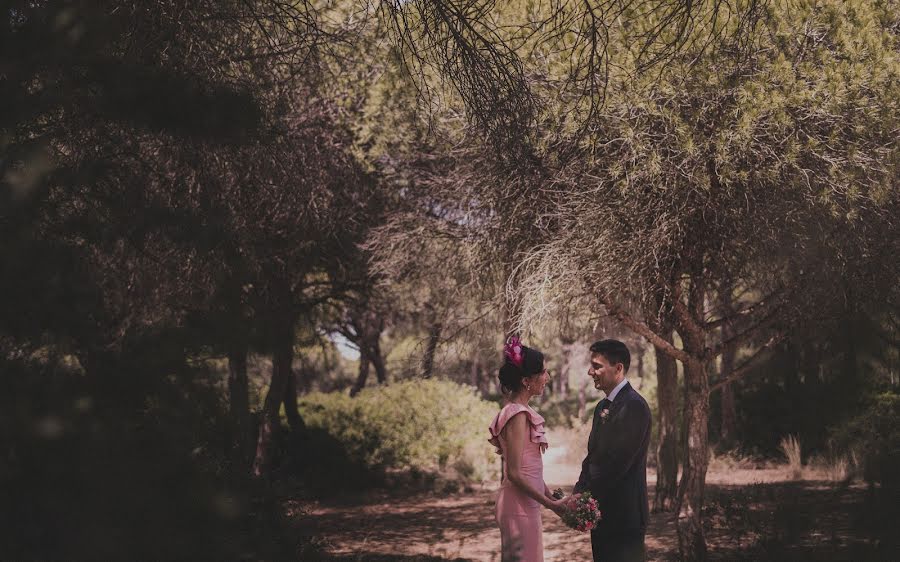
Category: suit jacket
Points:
column 615, row 468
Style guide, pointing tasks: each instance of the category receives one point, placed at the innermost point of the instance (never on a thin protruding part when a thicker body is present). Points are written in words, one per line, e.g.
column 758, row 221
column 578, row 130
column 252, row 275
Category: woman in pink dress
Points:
column 518, row 434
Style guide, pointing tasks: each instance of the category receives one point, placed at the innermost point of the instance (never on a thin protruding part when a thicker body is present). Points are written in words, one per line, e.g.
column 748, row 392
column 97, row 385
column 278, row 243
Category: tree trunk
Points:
column 568, row 350
column 810, row 367
column 434, row 336
column 366, row 334
column 729, row 414
column 281, row 358
column 562, row 383
column 377, row 360
column 691, row 540
column 295, row 421
column 239, row 403
column 667, row 442
column 851, row 359
column 666, row 495
column 640, row 363
column 695, row 460
column 363, row 370
column 788, row 355
column 582, row 399
column 481, row 379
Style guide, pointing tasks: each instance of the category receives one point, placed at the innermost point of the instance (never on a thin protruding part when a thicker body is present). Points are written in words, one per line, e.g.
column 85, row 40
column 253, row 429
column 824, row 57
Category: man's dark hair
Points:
column 614, row 351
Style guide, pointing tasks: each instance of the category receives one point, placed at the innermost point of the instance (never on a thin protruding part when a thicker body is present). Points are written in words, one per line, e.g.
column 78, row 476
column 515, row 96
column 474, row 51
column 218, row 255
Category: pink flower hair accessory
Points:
column 514, row 351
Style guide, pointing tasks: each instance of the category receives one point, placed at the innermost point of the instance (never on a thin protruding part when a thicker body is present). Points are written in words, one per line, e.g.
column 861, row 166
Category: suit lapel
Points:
column 595, row 427
column 598, row 428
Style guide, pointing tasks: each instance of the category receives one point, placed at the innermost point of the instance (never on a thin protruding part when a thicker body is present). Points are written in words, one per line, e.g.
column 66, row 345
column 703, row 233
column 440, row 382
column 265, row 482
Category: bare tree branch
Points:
column 744, row 367
column 644, row 330
column 746, row 312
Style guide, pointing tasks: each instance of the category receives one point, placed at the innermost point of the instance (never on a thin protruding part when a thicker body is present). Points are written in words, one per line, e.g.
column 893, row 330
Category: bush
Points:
column 424, row 425
column 874, row 438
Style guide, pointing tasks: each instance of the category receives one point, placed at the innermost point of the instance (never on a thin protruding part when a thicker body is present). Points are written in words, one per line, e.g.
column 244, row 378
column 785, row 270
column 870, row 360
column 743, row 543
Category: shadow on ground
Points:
column 766, row 522
column 374, row 557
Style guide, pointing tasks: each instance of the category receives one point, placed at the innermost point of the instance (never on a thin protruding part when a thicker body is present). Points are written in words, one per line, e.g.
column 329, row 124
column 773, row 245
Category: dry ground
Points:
column 751, row 514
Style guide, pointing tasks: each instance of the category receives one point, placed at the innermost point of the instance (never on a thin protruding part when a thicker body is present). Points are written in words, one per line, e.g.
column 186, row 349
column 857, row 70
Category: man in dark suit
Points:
column 615, row 468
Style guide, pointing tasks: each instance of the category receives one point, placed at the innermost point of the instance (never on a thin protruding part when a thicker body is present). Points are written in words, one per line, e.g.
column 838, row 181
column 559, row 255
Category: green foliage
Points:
column 561, row 412
column 874, row 435
column 417, row 424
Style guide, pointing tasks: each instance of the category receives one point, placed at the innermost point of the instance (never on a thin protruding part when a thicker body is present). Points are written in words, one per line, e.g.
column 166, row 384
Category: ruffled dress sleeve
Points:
column 535, row 424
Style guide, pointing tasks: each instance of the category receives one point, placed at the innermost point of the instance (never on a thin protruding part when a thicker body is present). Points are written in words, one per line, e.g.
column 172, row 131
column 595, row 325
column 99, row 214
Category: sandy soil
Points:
column 750, row 514
column 746, row 520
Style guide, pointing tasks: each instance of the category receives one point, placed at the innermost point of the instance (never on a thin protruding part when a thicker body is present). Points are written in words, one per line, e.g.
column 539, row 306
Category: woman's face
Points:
column 536, row 383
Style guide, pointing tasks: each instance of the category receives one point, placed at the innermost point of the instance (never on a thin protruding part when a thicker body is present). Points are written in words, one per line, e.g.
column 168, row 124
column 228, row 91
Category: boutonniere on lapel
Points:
column 604, row 415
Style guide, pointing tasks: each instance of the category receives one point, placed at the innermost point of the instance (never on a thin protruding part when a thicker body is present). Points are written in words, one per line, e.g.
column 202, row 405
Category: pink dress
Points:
column 518, row 515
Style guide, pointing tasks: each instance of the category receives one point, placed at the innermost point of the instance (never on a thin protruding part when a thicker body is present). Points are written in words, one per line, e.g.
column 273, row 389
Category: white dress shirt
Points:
column 612, row 395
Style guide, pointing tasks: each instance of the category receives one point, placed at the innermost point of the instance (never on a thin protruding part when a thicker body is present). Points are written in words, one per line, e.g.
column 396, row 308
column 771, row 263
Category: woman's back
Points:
column 513, row 500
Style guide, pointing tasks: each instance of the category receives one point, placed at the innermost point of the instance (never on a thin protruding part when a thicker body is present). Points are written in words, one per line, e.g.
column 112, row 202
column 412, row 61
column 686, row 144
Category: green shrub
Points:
column 426, row 425
column 873, row 437
column 561, row 412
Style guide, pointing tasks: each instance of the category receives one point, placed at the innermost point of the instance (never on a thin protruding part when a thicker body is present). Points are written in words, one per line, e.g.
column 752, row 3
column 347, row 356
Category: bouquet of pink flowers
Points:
column 583, row 513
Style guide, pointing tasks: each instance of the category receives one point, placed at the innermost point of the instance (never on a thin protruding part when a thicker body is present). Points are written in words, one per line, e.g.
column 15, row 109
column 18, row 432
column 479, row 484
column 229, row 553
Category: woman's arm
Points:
column 515, row 433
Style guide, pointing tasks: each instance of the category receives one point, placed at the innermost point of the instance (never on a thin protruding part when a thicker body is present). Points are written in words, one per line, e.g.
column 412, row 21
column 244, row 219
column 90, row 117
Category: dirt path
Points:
column 452, row 527
column 751, row 515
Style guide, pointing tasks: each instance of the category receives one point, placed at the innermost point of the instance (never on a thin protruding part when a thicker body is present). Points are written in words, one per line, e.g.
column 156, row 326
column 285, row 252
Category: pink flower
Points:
column 589, row 525
column 513, row 351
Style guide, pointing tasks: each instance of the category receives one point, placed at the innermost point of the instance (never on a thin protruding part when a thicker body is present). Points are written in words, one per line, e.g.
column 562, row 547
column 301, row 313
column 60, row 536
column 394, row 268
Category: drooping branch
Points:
column 484, row 51
column 763, row 312
column 748, row 364
column 746, row 312
column 461, row 41
column 643, row 329
column 735, row 340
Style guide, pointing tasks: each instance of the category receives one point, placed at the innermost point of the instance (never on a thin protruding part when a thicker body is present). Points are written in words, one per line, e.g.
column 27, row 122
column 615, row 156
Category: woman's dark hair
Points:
column 511, row 375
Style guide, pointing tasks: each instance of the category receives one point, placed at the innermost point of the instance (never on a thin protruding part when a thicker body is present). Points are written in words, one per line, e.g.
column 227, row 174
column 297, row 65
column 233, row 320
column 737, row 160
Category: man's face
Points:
column 605, row 375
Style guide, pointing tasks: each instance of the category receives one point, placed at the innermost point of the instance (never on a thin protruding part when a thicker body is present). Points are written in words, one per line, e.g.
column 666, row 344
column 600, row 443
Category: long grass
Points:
column 835, row 467
column 838, row 470
column 790, row 447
